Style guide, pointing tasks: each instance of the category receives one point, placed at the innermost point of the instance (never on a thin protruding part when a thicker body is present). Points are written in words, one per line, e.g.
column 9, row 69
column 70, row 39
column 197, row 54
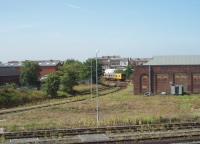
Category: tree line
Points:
column 69, row 75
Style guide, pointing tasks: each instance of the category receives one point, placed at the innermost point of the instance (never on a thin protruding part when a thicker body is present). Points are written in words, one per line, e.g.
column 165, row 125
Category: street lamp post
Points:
column 91, row 79
column 97, row 92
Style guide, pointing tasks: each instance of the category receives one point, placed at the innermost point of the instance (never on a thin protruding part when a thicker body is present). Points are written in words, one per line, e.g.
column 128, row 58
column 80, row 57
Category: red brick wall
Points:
column 196, row 82
column 15, row 79
column 47, row 70
column 163, row 76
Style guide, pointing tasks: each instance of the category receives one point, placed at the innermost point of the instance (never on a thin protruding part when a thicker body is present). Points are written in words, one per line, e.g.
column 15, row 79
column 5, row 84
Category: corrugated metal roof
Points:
column 175, row 60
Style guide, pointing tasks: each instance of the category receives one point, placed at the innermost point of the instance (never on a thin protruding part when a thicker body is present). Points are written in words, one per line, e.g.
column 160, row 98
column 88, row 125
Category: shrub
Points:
column 10, row 97
column 52, row 84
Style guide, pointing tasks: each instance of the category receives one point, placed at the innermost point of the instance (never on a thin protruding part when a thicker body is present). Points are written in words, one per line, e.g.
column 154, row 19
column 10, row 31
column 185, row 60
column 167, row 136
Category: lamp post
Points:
column 97, row 92
column 91, row 80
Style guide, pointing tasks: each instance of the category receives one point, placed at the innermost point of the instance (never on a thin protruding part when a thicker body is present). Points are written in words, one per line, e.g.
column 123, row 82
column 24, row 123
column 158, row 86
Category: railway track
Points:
column 101, row 130
column 16, row 110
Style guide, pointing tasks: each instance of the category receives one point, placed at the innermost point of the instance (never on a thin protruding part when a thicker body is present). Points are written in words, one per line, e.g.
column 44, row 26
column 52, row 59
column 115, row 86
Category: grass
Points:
column 120, row 108
column 11, row 97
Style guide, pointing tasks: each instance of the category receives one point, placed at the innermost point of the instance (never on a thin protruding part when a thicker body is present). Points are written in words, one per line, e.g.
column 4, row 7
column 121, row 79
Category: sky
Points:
column 63, row 29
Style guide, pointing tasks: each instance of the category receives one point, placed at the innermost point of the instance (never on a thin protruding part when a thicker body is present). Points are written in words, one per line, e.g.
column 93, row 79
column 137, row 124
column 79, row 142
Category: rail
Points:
column 100, row 130
column 16, row 110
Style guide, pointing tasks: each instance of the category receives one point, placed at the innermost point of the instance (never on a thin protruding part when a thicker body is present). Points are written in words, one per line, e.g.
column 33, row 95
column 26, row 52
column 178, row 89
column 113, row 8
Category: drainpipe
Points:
column 149, row 80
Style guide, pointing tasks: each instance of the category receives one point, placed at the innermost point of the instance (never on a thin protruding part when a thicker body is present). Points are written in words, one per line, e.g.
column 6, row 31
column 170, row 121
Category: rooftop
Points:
column 175, row 60
column 41, row 63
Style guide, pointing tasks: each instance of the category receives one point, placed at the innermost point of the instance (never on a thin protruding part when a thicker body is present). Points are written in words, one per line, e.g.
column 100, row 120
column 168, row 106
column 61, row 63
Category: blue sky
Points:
column 62, row 29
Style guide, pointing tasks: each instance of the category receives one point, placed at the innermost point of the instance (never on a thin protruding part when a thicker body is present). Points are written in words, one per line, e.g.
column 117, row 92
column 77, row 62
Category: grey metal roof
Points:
column 175, row 60
column 8, row 71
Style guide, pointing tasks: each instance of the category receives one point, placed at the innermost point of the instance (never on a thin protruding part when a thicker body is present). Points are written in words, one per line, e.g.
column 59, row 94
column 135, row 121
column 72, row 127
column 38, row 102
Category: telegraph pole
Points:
column 97, row 91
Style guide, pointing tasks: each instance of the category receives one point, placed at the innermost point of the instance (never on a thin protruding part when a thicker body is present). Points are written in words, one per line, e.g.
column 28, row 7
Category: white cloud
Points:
column 73, row 6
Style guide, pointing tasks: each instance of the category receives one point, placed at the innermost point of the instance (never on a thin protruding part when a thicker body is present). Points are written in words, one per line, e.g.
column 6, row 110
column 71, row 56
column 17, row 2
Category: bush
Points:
column 52, row 84
column 9, row 85
column 10, row 97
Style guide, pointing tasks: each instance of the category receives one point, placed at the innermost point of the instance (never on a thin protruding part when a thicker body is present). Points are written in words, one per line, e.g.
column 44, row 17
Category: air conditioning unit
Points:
column 177, row 90
column 173, row 92
column 180, row 89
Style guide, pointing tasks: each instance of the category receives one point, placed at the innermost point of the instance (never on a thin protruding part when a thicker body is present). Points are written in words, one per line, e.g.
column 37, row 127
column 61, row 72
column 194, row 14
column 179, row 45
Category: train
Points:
column 110, row 74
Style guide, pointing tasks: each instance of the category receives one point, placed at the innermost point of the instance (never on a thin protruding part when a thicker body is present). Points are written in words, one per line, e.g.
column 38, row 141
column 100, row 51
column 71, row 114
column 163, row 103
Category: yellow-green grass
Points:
column 55, row 102
column 121, row 108
column 82, row 90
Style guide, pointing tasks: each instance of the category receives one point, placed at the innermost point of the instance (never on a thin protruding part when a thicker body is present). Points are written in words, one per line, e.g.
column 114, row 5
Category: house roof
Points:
column 8, row 71
column 175, row 60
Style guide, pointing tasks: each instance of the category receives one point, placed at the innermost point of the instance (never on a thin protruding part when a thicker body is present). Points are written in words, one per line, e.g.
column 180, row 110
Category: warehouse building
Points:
column 161, row 73
column 10, row 72
column 9, row 75
column 46, row 66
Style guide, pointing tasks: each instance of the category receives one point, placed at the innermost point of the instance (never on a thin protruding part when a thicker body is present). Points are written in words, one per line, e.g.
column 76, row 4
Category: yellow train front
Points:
column 115, row 76
column 120, row 76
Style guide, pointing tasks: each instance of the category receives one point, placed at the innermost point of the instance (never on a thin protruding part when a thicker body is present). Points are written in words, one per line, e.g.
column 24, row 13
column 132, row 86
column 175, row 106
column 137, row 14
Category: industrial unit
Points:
column 10, row 72
column 9, row 75
column 163, row 74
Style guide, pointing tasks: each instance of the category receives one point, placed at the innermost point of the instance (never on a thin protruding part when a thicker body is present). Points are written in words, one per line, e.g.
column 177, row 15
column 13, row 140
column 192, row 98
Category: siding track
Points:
column 16, row 110
column 147, row 128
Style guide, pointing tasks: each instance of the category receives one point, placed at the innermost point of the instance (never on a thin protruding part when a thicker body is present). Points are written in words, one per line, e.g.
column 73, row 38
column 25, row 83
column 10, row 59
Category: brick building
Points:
column 113, row 62
column 160, row 73
column 117, row 62
column 46, row 66
column 138, row 61
column 9, row 75
column 10, row 72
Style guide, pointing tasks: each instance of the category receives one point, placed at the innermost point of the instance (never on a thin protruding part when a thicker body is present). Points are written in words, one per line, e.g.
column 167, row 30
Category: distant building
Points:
column 117, row 62
column 113, row 62
column 163, row 72
column 138, row 61
column 46, row 66
column 9, row 75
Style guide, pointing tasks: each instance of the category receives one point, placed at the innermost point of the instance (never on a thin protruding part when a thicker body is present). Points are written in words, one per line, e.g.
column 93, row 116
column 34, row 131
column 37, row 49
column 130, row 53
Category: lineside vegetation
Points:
column 121, row 108
column 56, row 85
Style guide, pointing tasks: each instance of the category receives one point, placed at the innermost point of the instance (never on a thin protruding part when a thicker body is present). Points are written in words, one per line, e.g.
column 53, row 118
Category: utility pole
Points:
column 97, row 92
column 91, row 80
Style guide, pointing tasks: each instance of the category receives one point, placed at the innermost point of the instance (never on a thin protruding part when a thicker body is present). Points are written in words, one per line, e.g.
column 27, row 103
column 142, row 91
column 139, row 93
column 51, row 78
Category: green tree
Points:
column 52, row 84
column 30, row 72
column 128, row 72
column 87, row 69
column 71, row 74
